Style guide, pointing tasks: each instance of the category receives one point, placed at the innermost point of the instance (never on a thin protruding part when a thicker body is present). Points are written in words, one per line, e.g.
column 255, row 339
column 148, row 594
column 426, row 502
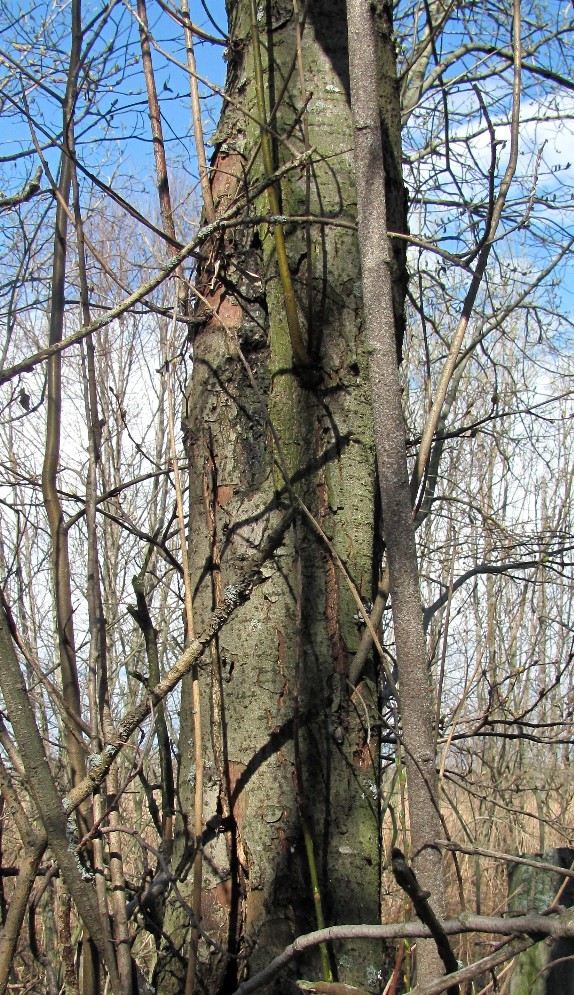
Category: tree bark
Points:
column 285, row 746
column 416, row 699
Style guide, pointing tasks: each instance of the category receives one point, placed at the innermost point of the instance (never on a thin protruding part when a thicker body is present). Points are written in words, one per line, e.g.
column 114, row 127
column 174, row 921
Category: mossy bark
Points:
column 545, row 968
column 280, row 671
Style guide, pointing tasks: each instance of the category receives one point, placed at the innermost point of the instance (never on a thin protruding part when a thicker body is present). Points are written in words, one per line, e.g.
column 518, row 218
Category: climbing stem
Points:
column 299, row 349
column 309, row 850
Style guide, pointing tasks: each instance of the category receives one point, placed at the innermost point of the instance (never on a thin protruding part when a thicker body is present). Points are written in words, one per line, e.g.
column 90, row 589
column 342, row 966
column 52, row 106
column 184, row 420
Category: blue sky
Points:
column 113, row 133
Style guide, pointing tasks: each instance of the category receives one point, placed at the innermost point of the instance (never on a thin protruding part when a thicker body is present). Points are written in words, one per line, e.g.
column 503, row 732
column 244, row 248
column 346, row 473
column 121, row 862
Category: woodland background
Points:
column 202, row 756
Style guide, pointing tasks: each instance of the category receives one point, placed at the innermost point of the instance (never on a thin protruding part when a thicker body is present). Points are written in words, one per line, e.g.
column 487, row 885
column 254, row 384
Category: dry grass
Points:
column 526, row 812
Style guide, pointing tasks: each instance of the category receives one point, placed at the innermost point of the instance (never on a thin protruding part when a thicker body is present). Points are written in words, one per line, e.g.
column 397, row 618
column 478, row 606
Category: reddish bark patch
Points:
column 222, row 893
column 215, row 906
column 238, row 792
column 227, row 311
column 224, row 494
column 226, row 172
column 222, row 307
column 253, row 910
column 283, row 841
column 362, row 758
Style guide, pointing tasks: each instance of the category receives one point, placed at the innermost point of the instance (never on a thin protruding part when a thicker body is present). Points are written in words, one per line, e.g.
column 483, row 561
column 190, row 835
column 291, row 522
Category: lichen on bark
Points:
column 283, row 657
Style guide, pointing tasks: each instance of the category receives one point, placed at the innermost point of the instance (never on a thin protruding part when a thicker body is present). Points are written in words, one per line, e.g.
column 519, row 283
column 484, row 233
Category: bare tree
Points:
column 372, row 416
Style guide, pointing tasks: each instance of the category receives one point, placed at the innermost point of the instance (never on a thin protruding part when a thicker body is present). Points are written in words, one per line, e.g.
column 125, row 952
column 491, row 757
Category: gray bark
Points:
column 416, row 699
column 281, row 667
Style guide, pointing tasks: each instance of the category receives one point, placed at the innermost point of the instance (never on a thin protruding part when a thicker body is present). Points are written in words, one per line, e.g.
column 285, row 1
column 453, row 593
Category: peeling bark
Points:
column 257, row 887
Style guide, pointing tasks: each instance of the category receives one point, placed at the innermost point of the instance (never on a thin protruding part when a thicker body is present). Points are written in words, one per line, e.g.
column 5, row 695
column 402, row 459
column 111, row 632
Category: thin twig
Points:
column 470, row 299
column 534, row 926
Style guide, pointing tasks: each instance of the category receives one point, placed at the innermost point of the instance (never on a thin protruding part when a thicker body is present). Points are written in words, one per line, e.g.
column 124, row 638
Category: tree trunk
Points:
column 416, row 704
column 291, row 771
